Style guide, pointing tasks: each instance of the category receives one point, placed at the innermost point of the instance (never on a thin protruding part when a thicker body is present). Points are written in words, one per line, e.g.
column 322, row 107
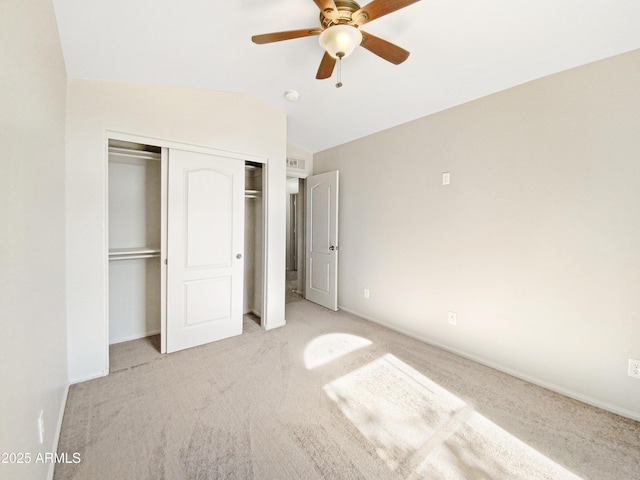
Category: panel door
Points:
column 205, row 243
column 322, row 240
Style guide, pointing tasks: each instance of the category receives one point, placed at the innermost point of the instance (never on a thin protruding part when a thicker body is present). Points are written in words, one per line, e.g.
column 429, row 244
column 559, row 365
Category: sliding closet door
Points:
column 205, row 243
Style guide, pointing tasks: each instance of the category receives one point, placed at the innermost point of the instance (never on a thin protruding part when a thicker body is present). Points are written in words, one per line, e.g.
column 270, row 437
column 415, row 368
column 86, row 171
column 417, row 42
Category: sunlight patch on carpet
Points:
column 422, row 430
column 326, row 348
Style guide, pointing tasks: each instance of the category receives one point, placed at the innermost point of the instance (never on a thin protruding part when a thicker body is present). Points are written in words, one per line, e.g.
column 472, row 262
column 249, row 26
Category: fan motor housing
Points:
column 346, row 8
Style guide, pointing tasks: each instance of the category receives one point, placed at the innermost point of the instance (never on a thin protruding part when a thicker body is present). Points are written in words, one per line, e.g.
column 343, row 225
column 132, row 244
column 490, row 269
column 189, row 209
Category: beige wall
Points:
column 223, row 121
column 33, row 351
column 535, row 244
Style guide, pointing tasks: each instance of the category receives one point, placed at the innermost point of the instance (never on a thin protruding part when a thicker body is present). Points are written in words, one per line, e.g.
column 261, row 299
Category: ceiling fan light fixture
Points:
column 340, row 40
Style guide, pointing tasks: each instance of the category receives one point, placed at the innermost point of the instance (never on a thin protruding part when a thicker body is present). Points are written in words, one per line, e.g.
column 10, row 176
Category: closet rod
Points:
column 129, row 257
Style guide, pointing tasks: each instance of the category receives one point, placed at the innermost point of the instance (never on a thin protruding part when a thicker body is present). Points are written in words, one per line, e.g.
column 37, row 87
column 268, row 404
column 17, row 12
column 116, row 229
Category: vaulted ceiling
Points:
column 461, row 50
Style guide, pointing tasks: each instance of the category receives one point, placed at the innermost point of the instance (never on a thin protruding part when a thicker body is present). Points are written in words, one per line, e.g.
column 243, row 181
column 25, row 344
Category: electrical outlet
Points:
column 634, row 368
column 453, row 318
column 446, row 178
column 366, row 293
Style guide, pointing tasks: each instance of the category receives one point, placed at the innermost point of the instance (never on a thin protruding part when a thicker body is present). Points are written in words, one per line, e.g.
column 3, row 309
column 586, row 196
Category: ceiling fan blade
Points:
column 377, row 9
column 328, row 7
column 327, row 65
column 387, row 50
column 289, row 35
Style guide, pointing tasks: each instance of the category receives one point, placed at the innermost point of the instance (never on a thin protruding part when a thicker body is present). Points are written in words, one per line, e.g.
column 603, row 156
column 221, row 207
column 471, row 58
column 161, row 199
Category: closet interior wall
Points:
column 253, row 239
column 134, row 241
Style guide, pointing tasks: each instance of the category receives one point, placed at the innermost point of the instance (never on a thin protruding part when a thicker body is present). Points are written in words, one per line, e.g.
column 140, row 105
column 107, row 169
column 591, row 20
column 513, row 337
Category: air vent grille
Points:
column 296, row 163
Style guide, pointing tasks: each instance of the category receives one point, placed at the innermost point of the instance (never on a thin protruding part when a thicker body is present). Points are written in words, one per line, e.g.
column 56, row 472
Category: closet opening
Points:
column 134, row 218
column 137, row 216
column 253, row 242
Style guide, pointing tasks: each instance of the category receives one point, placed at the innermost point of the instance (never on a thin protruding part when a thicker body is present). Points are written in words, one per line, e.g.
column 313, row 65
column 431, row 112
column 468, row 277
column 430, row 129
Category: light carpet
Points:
column 331, row 396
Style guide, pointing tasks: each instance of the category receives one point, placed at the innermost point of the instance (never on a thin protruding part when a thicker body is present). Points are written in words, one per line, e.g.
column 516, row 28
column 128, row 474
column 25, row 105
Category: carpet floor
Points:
column 330, row 396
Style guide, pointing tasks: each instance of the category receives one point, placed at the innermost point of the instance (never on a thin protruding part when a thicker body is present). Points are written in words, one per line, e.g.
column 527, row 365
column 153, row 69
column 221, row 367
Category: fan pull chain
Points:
column 339, row 83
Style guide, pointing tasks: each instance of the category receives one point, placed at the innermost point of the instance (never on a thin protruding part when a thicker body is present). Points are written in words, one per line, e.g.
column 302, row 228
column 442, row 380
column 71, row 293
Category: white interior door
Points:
column 322, row 240
column 205, row 243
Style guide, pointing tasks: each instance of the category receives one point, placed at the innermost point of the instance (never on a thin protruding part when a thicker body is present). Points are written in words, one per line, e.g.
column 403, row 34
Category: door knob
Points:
column 333, row 248
column 239, row 256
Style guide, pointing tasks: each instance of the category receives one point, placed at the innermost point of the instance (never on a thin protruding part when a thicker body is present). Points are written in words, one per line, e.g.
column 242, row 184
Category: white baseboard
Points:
column 93, row 376
column 514, row 373
column 56, row 438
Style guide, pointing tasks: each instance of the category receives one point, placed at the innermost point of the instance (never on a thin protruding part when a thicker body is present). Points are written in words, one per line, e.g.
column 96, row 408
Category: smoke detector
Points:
column 291, row 95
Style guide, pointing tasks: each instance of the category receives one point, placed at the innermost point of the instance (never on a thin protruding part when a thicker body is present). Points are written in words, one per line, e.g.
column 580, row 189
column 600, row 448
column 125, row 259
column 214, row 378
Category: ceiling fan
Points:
column 340, row 33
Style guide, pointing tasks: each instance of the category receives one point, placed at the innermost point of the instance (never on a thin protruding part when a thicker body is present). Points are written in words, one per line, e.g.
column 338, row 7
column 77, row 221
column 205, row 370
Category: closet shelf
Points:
column 135, row 252
column 141, row 154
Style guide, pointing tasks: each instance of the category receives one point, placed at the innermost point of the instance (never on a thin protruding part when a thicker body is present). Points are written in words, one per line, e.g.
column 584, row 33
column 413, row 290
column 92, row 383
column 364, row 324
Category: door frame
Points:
column 166, row 145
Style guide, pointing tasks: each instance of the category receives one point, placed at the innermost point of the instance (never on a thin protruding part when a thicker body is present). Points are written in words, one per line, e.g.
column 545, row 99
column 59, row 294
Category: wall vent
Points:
column 297, row 163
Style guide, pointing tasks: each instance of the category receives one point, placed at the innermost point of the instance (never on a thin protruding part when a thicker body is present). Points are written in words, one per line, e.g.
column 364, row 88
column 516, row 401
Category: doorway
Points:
column 295, row 262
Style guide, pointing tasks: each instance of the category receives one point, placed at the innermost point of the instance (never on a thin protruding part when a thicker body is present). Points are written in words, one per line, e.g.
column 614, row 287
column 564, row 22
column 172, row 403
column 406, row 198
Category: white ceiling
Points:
column 460, row 50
